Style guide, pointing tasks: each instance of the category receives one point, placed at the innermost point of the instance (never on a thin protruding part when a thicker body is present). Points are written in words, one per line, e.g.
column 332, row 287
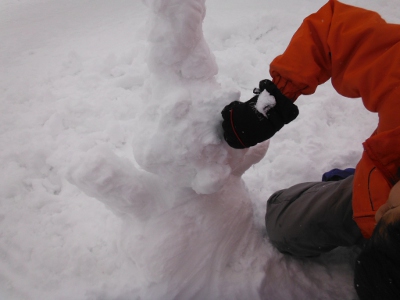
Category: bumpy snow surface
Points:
column 116, row 182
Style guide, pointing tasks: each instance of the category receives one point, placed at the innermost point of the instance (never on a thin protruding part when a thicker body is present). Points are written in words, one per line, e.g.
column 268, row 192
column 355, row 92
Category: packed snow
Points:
column 265, row 102
column 116, row 182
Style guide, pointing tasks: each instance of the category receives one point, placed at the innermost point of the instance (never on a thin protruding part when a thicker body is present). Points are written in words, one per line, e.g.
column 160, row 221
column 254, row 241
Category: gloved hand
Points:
column 244, row 126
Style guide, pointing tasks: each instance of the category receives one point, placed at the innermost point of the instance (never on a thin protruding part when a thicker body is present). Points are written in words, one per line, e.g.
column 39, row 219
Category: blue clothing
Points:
column 337, row 174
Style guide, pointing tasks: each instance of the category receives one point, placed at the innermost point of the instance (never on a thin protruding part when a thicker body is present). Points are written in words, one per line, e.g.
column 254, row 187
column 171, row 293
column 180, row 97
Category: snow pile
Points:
column 180, row 136
column 192, row 208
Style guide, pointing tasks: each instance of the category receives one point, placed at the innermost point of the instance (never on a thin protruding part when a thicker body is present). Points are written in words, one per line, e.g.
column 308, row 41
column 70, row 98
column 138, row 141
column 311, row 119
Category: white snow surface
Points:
column 116, row 182
column 265, row 102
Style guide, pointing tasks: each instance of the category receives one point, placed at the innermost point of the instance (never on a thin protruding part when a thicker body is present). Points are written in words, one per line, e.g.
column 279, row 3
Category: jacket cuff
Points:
column 287, row 87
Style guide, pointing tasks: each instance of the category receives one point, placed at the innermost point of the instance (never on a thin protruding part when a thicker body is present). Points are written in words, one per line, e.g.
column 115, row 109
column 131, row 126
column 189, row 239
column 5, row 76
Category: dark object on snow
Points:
column 337, row 174
column 244, row 126
column 377, row 267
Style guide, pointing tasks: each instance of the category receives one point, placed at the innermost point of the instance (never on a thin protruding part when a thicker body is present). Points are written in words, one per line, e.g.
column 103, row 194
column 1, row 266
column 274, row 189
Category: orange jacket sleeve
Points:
column 354, row 47
column 360, row 53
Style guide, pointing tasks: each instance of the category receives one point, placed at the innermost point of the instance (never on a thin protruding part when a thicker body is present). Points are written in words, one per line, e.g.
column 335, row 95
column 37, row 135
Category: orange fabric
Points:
column 360, row 53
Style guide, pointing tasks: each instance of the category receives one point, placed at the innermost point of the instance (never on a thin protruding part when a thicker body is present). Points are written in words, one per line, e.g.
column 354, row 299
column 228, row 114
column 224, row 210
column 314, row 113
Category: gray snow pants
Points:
column 308, row 219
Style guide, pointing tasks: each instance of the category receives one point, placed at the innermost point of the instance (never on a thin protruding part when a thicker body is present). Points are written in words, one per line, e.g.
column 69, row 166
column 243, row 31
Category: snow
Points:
column 116, row 183
column 265, row 102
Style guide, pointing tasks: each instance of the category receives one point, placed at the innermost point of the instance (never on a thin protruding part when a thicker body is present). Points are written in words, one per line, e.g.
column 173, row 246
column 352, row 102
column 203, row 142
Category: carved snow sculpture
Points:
column 187, row 216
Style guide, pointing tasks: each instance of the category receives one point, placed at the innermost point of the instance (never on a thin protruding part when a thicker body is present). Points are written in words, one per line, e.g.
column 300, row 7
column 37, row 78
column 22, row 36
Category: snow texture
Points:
column 196, row 230
column 116, row 182
column 265, row 102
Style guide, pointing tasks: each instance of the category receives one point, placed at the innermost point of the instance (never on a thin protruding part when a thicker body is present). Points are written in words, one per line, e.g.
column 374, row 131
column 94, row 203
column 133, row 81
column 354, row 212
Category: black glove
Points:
column 244, row 126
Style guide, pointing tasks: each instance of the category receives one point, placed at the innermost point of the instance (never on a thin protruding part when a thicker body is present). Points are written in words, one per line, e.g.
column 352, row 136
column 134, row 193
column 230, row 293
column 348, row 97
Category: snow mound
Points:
column 180, row 138
column 187, row 215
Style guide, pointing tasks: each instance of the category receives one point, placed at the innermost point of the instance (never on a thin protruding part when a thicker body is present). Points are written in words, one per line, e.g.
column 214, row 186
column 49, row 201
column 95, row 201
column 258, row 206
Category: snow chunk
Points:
column 265, row 102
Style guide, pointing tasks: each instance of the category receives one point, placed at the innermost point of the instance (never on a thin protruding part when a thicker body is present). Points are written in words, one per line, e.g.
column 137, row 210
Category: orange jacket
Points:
column 360, row 52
